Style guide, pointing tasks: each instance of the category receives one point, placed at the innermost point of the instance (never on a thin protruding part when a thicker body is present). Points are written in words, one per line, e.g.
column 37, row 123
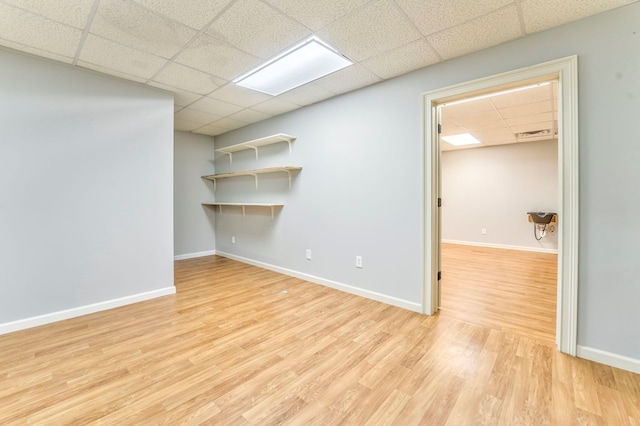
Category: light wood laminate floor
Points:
column 509, row 290
column 238, row 345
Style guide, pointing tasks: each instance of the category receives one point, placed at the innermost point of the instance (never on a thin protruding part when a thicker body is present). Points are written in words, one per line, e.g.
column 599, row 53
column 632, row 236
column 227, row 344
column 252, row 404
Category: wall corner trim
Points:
column 610, row 359
column 10, row 327
column 389, row 300
column 194, row 255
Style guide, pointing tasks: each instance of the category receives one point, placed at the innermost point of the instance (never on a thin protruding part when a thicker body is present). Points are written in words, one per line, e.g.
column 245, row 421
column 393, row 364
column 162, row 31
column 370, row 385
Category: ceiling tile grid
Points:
column 257, row 28
column 195, row 49
column 540, row 15
column 26, row 28
column 404, row 59
column 215, row 106
column 436, row 15
column 177, row 75
column 499, row 118
column 211, row 55
column 487, row 31
column 129, row 24
column 120, row 58
column 68, row 12
column 316, row 14
column 369, row 31
column 197, row 13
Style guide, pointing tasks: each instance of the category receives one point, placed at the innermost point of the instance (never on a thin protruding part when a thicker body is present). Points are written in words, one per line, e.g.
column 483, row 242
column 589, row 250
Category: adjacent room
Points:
column 197, row 226
column 499, row 269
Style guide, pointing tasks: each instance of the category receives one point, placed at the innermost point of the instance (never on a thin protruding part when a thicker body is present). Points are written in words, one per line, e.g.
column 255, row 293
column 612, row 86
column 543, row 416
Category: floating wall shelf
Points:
column 245, row 205
column 254, row 173
column 254, row 144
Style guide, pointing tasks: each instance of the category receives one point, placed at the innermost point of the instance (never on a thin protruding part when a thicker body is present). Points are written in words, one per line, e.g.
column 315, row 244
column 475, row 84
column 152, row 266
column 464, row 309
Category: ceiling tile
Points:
column 528, row 109
column 184, row 125
column 472, row 118
column 184, row 98
column 528, row 119
column 347, row 79
column 306, row 94
column 239, row 95
column 492, row 136
column 215, row 106
column 469, row 107
column 109, row 54
column 196, row 14
column 541, row 15
column 108, row 71
column 215, row 57
column 481, row 33
column 180, row 97
column 532, row 127
column 70, row 12
column 538, row 94
column 132, row 25
column 317, row 14
column 436, row 15
column 34, row 51
column 256, row 28
column 195, row 81
column 249, row 116
column 26, row 28
column 229, row 123
column 275, row 106
column 412, row 56
column 196, row 116
column 210, row 130
column 369, row 31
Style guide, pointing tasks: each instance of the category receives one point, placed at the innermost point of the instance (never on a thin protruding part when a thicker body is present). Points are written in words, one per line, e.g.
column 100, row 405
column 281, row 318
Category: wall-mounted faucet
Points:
column 540, row 221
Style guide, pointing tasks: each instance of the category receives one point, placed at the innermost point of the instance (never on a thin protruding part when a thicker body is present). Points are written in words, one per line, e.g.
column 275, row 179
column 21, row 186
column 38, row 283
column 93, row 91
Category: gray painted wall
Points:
column 361, row 191
column 494, row 187
column 193, row 223
column 86, row 202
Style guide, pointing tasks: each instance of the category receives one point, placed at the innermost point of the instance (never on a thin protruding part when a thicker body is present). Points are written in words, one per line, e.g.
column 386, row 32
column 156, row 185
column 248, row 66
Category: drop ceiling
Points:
column 194, row 49
column 527, row 115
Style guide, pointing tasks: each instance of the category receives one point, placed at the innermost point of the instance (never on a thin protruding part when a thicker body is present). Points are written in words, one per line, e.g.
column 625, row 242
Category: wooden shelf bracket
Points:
column 256, row 143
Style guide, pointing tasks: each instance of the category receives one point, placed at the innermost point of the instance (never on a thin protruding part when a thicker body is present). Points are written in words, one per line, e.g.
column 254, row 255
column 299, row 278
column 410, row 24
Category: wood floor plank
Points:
column 239, row 345
column 508, row 290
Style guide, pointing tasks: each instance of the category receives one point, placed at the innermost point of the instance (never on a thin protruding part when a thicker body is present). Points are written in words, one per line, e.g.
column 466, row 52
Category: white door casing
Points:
column 565, row 70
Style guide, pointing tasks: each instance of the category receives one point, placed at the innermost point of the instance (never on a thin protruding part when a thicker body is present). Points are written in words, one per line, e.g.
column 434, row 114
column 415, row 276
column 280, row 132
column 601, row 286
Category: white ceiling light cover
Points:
column 460, row 140
column 302, row 64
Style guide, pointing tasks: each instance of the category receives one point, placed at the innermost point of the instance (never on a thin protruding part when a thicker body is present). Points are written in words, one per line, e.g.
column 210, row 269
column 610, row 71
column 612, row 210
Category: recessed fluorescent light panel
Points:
column 299, row 65
column 460, row 140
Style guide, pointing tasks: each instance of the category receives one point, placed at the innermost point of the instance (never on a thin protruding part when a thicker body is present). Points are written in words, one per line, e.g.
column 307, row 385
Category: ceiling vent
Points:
column 536, row 135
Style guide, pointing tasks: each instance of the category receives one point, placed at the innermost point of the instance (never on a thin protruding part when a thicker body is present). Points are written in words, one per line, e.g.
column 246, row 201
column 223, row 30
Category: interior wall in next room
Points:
column 492, row 188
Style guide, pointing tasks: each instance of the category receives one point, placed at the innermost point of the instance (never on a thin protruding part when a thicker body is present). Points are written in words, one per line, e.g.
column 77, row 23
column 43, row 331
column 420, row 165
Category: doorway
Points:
column 499, row 160
column 565, row 72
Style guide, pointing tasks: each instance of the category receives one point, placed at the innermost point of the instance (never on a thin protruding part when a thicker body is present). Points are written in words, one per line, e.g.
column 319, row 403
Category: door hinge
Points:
column 439, row 202
column 439, row 275
column 439, row 128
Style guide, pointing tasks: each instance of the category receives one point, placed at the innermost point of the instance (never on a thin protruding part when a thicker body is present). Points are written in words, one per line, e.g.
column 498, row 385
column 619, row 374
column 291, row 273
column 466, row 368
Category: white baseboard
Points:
column 610, row 359
column 389, row 300
column 23, row 324
column 194, row 255
column 502, row 246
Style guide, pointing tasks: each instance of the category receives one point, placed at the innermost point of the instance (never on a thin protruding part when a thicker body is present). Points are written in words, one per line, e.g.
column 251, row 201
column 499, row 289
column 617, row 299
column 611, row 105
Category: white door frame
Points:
column 566, row 71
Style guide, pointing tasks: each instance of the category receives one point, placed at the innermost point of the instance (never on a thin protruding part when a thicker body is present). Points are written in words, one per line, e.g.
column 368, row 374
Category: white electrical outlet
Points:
column 308, row 254
column 483, row 231
column 233, row 240
column 358, row 261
